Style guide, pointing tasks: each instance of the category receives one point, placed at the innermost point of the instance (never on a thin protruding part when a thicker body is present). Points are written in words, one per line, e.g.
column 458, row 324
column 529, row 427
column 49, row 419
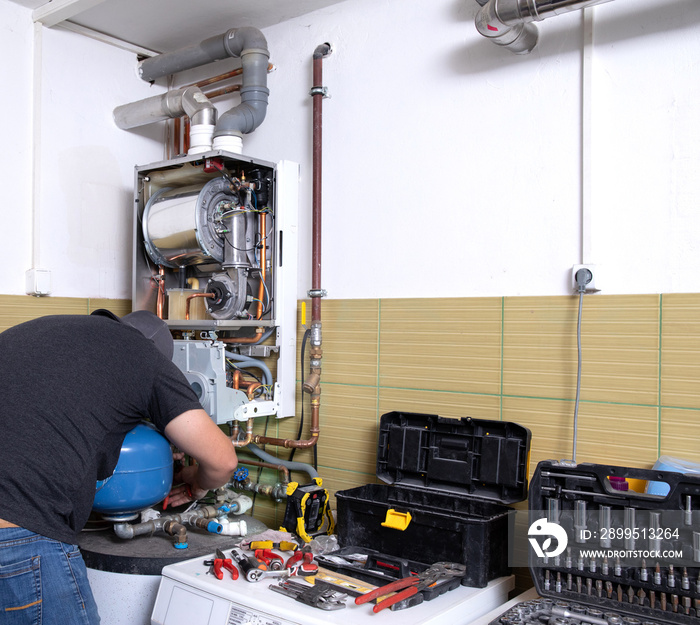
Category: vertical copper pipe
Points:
column 263, row 262
column 186, row 137
column 316, row 189
column 160, row 301
column 315, row 352
column 176, row 136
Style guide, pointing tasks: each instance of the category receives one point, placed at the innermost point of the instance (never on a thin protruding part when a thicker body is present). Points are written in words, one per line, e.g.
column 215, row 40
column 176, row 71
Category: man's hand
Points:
column 187, row 488
column 198, row 436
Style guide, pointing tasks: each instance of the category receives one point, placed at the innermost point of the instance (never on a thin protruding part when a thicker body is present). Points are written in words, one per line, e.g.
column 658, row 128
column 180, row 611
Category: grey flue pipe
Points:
column 247, row 43
column 508, row 23
column 188, row 101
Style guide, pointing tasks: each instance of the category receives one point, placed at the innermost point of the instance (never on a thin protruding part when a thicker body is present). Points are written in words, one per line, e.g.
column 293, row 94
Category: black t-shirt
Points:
column 71, row 388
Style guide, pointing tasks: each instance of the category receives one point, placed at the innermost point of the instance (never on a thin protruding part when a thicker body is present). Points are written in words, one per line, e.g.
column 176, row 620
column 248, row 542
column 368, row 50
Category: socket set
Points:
column 608, row 555
column 547, row 611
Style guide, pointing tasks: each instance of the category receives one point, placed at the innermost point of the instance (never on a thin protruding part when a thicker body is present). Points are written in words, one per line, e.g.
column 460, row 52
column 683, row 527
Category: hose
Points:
column 292, row 466
column 245, row 362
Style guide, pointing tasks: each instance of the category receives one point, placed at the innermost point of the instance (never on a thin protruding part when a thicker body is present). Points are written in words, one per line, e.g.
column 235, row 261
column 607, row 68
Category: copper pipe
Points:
column 186, row 136
column 236, row 379
column 222, row 77
column 223, row 91
column 160, row 281
column 252, row 387
column 258, row 463
column 191, row 297
column 313, row 383
column 316, row 186
column 248, row 434
column 245, row 340
column 263, row 262
column 176, row 136
column 290, row 443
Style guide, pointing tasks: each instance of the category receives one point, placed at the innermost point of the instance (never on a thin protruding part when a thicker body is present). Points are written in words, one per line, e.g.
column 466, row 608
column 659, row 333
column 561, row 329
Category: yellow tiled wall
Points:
column 511, row 358
column 514, row 359
column 16, row 309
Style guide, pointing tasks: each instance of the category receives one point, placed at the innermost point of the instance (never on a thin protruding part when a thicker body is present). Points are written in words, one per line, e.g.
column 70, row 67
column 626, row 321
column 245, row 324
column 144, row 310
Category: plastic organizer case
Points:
column 629, row 558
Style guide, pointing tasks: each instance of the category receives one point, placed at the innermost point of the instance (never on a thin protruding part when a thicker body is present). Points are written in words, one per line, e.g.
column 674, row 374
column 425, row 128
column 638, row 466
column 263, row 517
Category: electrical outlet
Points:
column 591, row 287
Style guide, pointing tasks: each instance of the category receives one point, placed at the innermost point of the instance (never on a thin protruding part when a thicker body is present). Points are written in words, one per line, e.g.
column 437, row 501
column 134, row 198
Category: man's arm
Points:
column 198, row 436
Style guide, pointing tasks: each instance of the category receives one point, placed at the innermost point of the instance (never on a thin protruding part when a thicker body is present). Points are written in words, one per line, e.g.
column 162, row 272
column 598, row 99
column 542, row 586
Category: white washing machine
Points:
column 189, row 596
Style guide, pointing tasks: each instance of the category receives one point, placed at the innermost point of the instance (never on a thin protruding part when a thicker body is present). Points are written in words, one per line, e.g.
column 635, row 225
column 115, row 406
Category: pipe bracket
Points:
column 318, row 293
column 319, row 91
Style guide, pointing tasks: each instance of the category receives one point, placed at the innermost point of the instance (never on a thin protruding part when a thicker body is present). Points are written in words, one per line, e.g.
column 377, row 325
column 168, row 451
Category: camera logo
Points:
column 541, row 528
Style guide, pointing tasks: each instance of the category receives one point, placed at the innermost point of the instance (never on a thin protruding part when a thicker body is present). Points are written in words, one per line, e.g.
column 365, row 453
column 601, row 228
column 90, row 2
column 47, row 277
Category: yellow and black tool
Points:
column 285, row 545
column 307, row 507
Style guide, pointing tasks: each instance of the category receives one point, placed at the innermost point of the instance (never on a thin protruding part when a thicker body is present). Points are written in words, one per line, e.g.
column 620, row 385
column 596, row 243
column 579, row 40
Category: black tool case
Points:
column 446, row 483
column 630, row 558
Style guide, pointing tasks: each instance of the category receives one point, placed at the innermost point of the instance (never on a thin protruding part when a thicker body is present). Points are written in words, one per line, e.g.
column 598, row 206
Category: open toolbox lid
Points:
column 480, row 458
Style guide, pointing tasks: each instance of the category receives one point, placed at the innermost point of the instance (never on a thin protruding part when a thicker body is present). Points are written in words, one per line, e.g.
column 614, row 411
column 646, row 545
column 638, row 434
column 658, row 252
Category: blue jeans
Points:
column 43, row 581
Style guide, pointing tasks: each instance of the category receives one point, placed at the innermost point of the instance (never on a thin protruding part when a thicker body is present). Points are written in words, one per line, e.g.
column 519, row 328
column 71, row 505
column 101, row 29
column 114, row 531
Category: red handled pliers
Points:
column 409, row 586
column 221, row 561
column 301, row 563
column 274, row 562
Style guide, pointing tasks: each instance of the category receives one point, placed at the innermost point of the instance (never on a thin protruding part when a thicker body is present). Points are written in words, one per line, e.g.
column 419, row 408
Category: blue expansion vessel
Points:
column 142, row 478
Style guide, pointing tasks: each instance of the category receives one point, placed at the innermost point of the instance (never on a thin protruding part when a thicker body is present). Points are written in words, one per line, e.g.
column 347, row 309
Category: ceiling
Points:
column 166, row 25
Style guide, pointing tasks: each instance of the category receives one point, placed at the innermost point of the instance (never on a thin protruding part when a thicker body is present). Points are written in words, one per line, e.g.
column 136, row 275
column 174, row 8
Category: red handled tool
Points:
column 409, row 586
column 274, row 562
column 222, row 562
column 302, row 563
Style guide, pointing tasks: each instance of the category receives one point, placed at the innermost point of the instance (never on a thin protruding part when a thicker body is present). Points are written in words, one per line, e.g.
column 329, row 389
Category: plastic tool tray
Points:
column 446, row 483
column 380, row 569
column 631, row 558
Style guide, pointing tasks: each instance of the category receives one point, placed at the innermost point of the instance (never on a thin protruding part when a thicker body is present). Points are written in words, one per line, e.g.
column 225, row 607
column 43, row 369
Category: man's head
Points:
column 150, row 325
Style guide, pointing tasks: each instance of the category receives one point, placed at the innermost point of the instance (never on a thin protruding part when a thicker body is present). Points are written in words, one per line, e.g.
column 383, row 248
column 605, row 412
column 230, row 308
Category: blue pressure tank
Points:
column 142, row 478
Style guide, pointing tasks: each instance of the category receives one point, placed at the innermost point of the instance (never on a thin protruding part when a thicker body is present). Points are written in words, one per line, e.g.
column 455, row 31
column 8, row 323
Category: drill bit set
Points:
column 609, row 555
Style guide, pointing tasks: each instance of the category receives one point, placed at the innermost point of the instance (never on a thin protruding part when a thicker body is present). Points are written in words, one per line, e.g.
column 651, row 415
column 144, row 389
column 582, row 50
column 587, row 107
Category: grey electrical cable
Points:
column 245, row 362
column 583, row 277
column 578, row 374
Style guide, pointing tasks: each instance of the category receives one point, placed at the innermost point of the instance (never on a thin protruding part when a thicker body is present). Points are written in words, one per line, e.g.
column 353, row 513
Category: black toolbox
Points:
column 628, row 558
column 446, row 483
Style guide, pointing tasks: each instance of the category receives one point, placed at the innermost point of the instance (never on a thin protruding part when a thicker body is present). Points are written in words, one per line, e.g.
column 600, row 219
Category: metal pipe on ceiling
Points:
column 509, row 23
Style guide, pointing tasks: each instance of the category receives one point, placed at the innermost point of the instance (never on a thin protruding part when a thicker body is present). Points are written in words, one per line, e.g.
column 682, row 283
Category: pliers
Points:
column 301, row 563
column 274, row 562
column 221, row 561
column 409, row 586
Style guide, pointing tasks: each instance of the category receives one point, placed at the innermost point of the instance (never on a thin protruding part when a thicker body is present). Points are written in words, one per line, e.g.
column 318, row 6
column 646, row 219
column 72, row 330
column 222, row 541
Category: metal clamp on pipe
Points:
column 319, row 91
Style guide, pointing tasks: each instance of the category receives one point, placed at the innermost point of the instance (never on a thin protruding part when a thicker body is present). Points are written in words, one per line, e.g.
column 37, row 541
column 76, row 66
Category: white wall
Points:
column 16, row 156
column 454, row 168
column 84, row 184
column 442, row 153
column 451, row 167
